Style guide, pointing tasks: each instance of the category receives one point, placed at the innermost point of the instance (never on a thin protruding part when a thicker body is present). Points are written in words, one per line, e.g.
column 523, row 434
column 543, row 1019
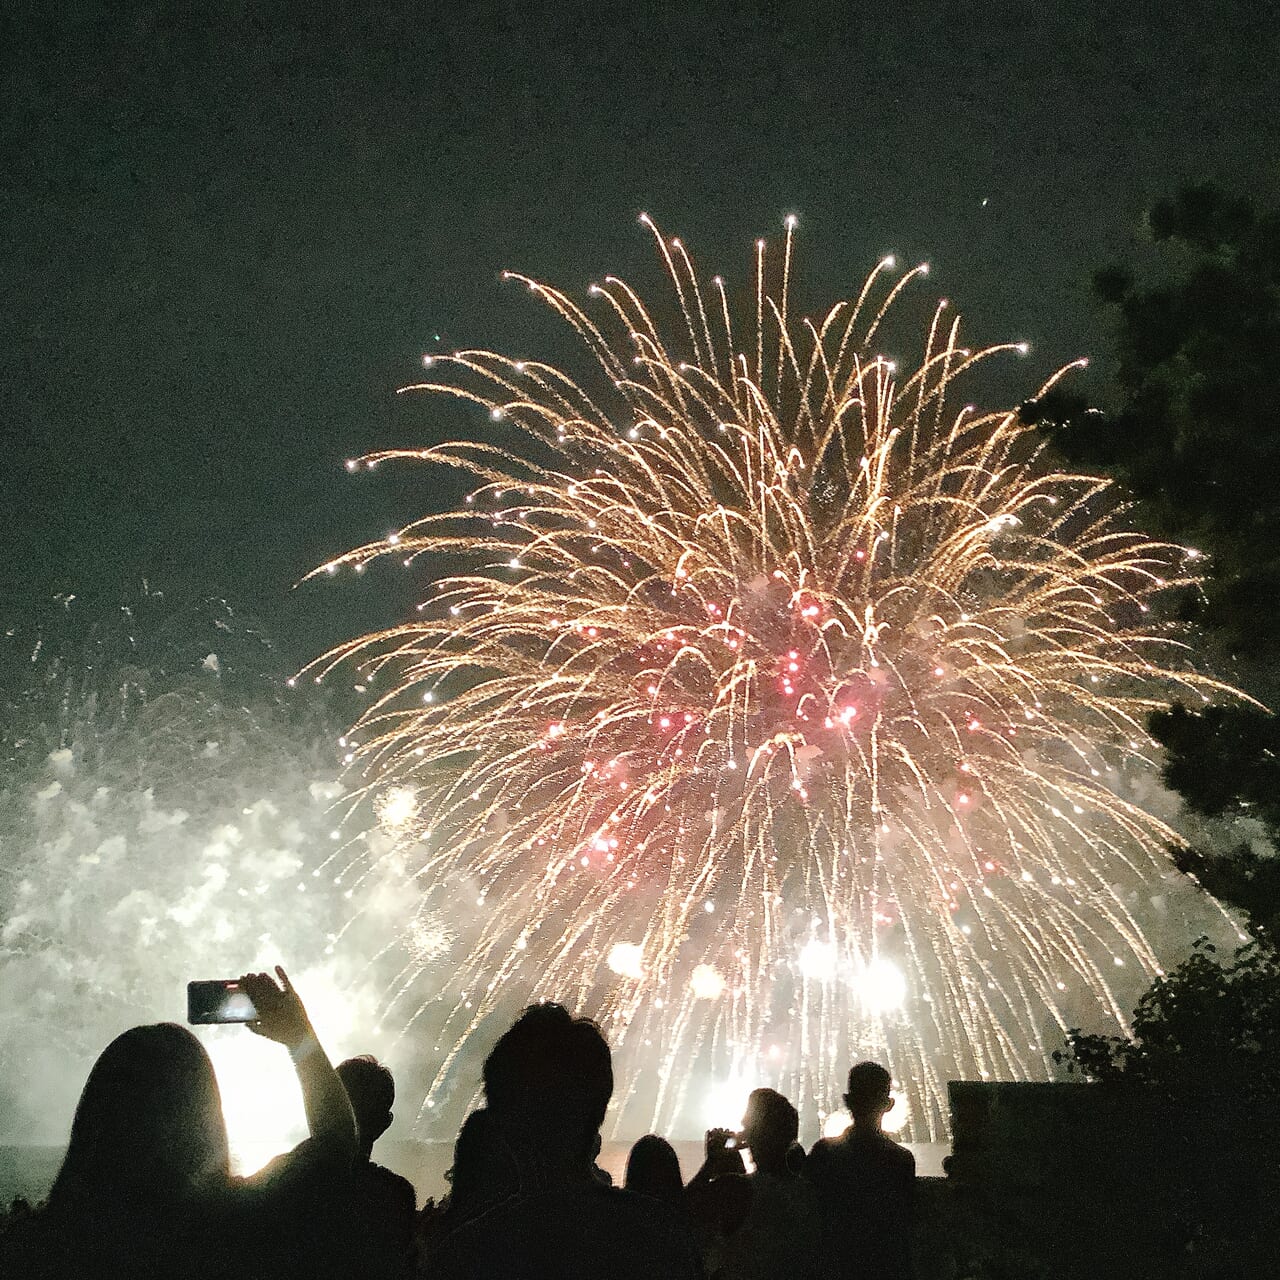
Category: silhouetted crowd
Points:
column 146, row 1189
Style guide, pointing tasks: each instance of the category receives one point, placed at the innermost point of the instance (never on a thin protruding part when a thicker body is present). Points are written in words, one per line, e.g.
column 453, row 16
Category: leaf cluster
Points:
column 1224, row 761
column 1194, row 436
column 1196, row 432
column 1210, row 1030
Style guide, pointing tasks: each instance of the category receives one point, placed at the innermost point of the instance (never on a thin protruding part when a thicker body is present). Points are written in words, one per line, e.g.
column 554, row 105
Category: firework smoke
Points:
column 162, row 816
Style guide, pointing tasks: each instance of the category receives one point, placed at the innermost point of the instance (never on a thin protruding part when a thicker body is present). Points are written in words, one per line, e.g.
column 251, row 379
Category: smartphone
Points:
column 218, row 1000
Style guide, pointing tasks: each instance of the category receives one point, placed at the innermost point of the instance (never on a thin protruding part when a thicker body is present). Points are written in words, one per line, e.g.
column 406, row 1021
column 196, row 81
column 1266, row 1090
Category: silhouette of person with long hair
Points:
column 653, row 1169
column 865, row 1185
column 146, row 1189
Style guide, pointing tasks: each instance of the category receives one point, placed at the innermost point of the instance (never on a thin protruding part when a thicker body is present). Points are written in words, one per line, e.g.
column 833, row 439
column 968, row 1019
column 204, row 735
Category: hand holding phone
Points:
column 722, row 1152
column 268, row 1006
column 280, row 1013
column 718, row 1140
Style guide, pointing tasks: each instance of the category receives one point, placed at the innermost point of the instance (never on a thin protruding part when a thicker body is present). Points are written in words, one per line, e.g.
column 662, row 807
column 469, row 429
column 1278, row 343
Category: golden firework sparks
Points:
column 778, row 712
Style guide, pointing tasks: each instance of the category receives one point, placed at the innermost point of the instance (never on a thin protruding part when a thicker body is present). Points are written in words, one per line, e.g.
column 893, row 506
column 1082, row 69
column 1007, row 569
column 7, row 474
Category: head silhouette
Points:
column 653, row 1169
column 148, row 1129
column 484, row 1169
column 769, row 1127
column 372, row 1090
column 868, row 1097
column 551, row 1073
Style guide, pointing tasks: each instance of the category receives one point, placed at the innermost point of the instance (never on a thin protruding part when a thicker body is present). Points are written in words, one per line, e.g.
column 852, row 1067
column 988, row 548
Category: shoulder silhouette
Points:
column 865, row 1186
column 527, row 1203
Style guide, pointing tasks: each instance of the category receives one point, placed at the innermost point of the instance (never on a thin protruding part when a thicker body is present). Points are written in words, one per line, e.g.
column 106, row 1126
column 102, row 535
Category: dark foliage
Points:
column 1195, row 437
column 1203, row 1066
column 1208, row 1031
column 1246, row 879
column 1223, row 761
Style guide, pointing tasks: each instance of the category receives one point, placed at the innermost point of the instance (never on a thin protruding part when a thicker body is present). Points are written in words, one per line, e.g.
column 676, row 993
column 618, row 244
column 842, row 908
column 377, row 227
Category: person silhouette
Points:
column 380, row 1204
column 146, row 1167
column 146, row 1189
column 653, row 1169
column 780, row 1235
column 865, row 1186
column 718, row 1197
column 547, row 1085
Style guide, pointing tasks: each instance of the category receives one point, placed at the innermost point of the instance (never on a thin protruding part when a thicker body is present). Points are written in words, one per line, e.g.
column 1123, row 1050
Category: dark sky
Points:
column 230, row 230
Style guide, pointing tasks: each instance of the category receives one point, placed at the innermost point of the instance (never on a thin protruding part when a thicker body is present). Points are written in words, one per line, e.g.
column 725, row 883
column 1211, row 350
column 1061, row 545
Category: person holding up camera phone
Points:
column 723, row 1154
column 271, row 1008
column 146, row 1187
column 280, row 1016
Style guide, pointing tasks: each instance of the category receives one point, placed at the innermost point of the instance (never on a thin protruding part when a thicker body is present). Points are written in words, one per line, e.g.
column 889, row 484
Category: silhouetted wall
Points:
column 1095, row 1181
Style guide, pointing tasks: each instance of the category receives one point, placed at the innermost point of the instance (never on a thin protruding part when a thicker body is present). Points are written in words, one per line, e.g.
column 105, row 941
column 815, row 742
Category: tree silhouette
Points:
column 1194, row 434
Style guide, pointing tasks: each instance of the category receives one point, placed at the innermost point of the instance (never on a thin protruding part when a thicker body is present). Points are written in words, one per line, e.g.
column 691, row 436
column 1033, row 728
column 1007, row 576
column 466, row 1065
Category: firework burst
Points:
column 778, row 712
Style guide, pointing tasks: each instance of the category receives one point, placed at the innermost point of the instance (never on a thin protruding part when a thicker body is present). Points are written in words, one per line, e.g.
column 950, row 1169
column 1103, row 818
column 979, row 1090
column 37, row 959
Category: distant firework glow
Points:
column 777, row 712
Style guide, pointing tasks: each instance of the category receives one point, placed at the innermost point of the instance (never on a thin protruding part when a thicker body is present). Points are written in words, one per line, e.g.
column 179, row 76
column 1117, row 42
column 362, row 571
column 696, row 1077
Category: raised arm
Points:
column 721, row 1159
column 282, row 1018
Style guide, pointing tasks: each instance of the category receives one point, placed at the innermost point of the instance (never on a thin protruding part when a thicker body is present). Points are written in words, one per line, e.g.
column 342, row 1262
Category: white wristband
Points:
column 301, row 1051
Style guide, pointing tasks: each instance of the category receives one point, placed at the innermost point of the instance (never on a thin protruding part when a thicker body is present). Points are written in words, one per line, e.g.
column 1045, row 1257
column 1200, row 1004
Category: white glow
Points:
column 261, row 1098
column 881, row 986
column 706, row 983
column 727, row 1102
column 817, row 960
column 261, row 1102
column 397, row 807
column 626, row 959
column 894, row 1121
column 836, row 1123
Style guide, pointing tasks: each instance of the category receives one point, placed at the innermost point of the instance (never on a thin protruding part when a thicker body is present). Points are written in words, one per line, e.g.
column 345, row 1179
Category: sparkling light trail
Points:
column 777, row 712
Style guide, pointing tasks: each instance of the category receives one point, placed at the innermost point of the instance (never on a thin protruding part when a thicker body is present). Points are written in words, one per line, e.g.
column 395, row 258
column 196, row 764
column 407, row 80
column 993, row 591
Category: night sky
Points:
column 230, row 231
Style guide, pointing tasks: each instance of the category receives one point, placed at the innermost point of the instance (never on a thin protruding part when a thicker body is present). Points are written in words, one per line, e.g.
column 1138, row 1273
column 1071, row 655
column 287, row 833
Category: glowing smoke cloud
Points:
column 160, row 820
column 781, row 712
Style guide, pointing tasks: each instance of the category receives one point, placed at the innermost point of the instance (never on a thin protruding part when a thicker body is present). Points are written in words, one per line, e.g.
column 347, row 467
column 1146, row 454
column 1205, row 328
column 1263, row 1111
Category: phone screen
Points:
column 218, row 1000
